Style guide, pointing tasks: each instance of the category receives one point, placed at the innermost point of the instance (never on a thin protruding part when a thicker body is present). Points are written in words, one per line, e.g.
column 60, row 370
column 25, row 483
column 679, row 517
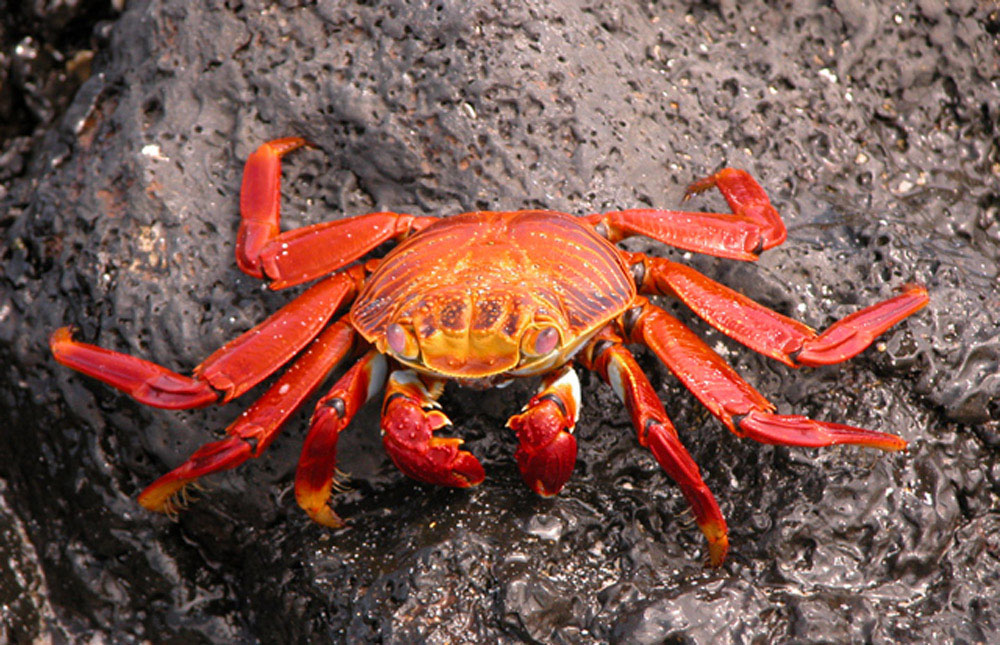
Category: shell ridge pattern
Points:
column 476, row 281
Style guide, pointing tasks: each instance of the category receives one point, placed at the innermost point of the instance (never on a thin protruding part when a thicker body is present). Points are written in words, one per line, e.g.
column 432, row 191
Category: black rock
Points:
column 874, row 130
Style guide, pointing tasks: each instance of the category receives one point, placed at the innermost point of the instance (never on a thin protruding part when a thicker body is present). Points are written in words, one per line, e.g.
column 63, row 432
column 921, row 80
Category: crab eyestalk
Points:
column 402, row 342
column 539, row 341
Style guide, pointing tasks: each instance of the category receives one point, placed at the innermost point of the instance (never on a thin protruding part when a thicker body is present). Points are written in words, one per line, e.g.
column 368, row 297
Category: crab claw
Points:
column 546, row 452
column 409, row 440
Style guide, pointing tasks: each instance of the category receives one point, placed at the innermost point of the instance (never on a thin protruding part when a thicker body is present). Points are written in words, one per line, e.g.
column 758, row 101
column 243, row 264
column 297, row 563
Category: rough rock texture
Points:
column 873, row 128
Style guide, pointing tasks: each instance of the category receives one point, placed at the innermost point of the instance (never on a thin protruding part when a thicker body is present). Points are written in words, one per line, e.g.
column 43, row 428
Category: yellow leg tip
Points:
column 315, row 503
column 325, row 516
column 165, row 496
column 718, row 543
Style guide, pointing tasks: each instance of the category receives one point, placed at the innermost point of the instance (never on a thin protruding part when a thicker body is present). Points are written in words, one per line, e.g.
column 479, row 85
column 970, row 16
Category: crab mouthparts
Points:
column 469, row 355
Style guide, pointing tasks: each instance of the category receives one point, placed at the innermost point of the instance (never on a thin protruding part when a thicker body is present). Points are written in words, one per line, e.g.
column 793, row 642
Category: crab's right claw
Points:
column 409, row 440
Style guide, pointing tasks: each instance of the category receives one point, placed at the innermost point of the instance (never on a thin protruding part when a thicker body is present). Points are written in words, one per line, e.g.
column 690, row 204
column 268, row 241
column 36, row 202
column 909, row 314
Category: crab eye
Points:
column 401, row 342
column 539, row 342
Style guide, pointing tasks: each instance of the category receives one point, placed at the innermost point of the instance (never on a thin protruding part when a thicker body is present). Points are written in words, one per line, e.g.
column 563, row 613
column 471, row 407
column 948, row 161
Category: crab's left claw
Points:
column 546, row 450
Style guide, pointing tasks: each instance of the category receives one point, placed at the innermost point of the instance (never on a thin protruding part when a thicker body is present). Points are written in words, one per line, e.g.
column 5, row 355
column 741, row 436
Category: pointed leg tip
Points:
column 839, row 433
column 797, row 430
column 852, row 335
column 162, row 495
column 717, row 552
column 890, row 443
column 717, row 535
column 144, row 381
column 166, row 494
column 283, row 146
column 325, row 516
column 915, row 289
column 699, row 186
column 316, row 503
column 60, row 336
column 63, row 345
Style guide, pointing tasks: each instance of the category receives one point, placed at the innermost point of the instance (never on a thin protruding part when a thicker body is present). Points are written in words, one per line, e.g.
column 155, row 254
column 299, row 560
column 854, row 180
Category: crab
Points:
column 482, row 298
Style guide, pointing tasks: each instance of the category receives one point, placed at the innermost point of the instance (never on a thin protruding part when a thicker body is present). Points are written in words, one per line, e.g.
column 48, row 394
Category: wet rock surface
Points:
column 873, row 130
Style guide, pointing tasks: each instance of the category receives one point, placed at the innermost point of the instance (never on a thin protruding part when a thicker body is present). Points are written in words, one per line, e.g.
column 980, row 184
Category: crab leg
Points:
column 245, row 361
column 752, row 227
column 410, row 416
column 618, row 368
column 546, row 451
column 143, row 380
column 233, row 369
column 734, row 401
column 317, row 465
column 255, row 429
column 768, row 332
column 307, row 253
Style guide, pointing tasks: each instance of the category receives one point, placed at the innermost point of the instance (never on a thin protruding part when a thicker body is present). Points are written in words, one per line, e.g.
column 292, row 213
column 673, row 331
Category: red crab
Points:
column 482, row 298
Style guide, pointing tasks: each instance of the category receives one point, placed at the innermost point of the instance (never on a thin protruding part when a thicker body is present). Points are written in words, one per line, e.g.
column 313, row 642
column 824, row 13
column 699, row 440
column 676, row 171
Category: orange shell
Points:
column 470, row 285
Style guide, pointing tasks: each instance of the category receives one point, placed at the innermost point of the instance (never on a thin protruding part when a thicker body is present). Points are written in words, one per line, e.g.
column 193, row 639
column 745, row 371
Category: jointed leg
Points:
column 256, row 428
column 233, row 369
column 734, row 401
column 655, row 431
column 546, row 451
column 317, row 465
column 242, row 363
column 751, row 228
column 307, row 253
column 768, row 332
column 143, row 380
column 260, row 201
column 410, row 416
